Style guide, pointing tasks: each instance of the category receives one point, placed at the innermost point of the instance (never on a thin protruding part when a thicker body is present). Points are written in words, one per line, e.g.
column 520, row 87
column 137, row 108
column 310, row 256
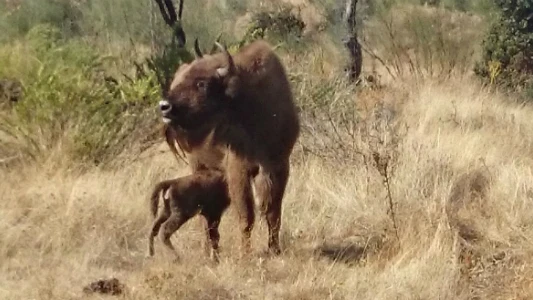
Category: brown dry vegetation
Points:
column 459, row 176
column 61, row 228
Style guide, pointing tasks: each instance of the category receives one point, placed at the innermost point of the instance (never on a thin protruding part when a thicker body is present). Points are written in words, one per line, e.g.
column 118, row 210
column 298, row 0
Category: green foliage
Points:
column 20, row 19
column 165, row 63
column 70, row 101
column 279, row 25
column 44, row 37
column 509, row 46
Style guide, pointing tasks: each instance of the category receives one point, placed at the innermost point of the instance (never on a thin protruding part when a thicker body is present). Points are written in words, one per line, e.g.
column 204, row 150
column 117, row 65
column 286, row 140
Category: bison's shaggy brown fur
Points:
column 204, row 193
column 236, row 113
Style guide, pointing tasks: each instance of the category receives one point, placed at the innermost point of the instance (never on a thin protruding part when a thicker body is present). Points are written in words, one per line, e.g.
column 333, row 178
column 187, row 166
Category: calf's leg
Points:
column 173, row 223
column 156, row 225
column 154, row 231
column 213, row 235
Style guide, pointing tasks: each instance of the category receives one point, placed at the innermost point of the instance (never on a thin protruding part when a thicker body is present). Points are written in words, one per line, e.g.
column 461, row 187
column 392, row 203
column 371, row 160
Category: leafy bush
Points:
column 508, row 48
column 165, row 63
column 70, row 102
column 278, row 25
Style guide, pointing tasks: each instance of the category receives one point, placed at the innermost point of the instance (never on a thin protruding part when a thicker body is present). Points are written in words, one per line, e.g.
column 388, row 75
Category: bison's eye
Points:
column 201, row 85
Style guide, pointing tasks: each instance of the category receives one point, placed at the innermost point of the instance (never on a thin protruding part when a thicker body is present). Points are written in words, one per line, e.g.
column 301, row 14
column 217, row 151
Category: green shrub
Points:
column 508, row 48
column 278, row 25
column 70, row 101
column 164, row 63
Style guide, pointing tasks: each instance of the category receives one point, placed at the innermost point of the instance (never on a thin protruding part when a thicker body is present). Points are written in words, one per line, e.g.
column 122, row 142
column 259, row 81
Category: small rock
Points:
column 105, row 286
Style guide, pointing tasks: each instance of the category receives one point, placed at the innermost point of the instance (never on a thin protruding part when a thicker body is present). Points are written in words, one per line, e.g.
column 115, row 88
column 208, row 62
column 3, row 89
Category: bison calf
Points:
column 203, row 192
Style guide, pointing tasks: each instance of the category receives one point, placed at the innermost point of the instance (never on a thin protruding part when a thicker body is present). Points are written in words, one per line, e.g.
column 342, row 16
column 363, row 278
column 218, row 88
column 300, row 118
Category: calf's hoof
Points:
column 274, row 250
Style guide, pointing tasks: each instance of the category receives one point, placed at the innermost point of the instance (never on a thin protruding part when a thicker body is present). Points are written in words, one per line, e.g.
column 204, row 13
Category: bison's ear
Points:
column 229, row 82
column 228, row 73
column 232, row 86
column 222, row 72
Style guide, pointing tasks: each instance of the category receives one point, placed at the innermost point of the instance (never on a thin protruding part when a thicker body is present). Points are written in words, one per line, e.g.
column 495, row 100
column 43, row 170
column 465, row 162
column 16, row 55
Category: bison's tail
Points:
column 262, row 199
column 262, row 207
column 160, row 188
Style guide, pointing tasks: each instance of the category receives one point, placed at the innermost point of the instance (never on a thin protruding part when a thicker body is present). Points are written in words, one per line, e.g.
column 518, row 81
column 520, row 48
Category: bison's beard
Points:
column 181, row 123
column 191, row 122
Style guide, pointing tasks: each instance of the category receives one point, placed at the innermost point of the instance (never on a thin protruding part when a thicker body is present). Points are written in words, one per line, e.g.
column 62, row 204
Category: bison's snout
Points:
column 165, row 107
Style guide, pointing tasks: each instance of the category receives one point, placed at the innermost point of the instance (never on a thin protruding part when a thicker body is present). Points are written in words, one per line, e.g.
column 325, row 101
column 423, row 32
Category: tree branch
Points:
column 168, row 11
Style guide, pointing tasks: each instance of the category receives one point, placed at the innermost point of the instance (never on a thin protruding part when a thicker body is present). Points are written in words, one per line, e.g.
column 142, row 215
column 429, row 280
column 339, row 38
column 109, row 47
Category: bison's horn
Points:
column 197, row 50
column 230, row 67
column 221, row 47
column 216, row 41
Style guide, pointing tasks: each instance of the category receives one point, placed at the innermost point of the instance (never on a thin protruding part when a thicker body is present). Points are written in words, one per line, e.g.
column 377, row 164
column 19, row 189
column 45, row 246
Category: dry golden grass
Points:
column 61, row 229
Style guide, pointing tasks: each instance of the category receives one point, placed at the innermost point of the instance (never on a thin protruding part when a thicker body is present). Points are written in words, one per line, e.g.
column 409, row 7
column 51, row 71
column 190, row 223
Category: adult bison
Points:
column 236, row 113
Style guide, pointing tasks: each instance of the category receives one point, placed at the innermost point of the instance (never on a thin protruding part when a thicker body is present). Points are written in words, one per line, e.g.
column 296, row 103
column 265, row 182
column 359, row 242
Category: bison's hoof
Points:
column 274, row 250
column 149, row 252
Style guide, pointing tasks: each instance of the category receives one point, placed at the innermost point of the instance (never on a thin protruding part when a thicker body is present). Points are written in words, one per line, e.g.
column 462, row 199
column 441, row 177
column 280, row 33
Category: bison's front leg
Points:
column 240, row 192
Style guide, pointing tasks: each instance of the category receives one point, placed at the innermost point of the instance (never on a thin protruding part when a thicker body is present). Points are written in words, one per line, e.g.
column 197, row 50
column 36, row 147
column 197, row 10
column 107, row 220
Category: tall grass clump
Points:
column 422, row 41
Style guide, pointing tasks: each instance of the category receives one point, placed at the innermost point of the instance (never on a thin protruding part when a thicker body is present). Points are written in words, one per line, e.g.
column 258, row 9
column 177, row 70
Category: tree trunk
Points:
column 351, row 42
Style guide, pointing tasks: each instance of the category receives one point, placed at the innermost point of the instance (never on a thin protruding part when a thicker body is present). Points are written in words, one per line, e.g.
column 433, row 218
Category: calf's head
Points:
column 199, row 90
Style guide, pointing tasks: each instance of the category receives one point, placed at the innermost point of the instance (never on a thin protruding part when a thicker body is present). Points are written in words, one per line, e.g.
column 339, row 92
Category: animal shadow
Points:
column 347, row 253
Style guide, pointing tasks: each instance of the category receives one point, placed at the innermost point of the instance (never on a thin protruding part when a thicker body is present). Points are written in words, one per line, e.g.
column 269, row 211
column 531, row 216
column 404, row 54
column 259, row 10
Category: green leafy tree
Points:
column 508, row 48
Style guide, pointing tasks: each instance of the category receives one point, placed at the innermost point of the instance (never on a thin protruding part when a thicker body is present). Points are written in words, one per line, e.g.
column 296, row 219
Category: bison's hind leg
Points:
column 270, row 189
column 241, row 195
